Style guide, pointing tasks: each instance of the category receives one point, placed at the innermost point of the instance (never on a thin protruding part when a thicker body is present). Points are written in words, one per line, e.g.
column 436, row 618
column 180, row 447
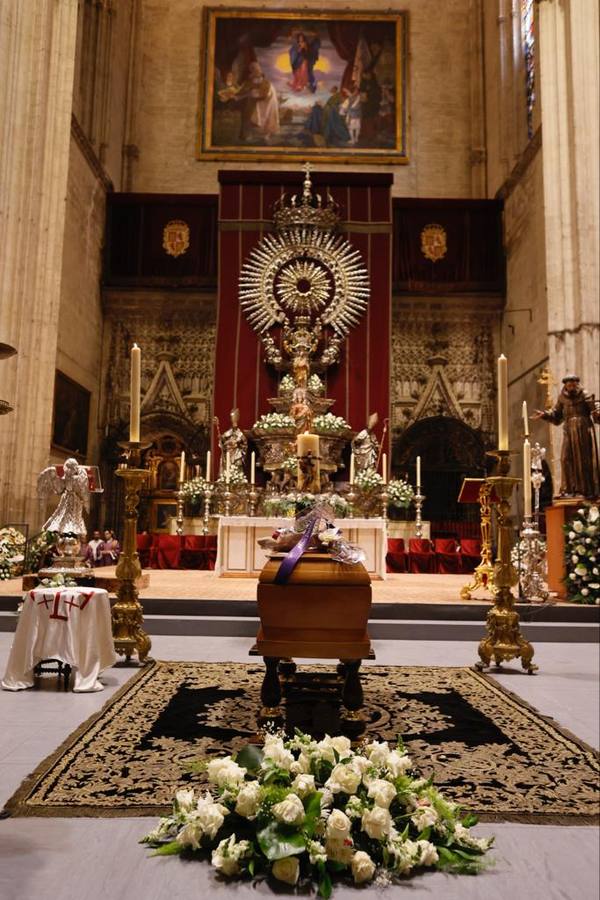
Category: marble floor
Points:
column 89, row 859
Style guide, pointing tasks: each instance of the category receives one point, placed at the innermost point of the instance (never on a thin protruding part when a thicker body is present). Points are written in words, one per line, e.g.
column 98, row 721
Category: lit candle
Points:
column 352, row 468
column 525, row 419
column 208, row 465
column 253, row 468
column 227, row 467
column 384, row 467
column 502, row 402
column 135, row 387
column 526, row 478
column 418, row 472
column 182, row 466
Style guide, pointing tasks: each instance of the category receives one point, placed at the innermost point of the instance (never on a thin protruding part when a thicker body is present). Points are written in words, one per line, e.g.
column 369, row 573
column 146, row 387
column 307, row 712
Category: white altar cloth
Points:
column 238, row 552
column 72, row 625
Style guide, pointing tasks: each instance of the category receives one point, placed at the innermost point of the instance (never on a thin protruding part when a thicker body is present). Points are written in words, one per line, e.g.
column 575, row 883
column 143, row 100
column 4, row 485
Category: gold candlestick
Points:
column 127, row 614
column 484, row 572
column 504, row 640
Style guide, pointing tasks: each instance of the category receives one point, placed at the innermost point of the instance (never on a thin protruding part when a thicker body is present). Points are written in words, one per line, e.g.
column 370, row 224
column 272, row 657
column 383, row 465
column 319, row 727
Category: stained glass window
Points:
column 528, row 40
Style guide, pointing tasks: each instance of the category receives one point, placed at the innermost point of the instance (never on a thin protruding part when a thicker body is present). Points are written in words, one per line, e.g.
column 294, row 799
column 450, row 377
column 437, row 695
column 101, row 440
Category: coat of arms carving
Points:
column 433, row 242
column 176, row 237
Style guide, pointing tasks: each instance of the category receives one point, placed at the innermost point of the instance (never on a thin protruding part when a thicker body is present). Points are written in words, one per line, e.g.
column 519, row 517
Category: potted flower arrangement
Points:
column 306, row 812
column 582, row 555
column 400, row 493
column 330, row 423
column 193, row 492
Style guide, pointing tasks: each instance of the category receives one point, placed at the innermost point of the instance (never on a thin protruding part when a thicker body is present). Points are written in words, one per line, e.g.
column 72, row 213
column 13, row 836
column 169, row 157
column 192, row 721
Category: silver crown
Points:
column 306, row 209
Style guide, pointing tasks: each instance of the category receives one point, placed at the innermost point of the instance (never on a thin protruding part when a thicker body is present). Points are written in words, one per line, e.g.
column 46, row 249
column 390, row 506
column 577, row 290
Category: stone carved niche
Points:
column 442, row 365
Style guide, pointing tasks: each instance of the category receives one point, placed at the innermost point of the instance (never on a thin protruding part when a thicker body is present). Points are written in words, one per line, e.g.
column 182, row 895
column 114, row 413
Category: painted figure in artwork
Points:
column 304, row 53
column 260, row 107
column 577, row 411
column 71, row 482
column 365, row 446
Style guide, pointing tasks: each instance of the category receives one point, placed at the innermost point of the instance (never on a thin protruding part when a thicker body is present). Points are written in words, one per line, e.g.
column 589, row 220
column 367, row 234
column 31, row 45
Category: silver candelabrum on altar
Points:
column 532, row 565
column 207, row 499
column 180, row 507
column 419, row 499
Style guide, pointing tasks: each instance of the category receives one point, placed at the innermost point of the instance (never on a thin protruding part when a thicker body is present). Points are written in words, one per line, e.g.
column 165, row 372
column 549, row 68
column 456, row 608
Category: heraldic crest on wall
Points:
column 176, row 237
column 306, row 279
column 434, row 243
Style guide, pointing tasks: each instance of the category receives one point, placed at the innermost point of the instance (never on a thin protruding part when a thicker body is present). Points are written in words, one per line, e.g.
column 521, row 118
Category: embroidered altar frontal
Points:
column 490, row 751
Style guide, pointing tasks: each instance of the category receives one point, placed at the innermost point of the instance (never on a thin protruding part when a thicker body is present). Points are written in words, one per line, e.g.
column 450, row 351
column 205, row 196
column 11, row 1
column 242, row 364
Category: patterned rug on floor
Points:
column 490, row 751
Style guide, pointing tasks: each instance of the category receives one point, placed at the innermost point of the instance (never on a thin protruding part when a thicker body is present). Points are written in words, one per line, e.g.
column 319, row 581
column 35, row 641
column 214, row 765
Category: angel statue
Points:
column 73, row 487
column 365, row 446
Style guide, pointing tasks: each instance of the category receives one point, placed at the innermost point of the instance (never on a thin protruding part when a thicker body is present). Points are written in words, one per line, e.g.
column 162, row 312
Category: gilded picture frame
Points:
column 71, row 415
column 326, row 86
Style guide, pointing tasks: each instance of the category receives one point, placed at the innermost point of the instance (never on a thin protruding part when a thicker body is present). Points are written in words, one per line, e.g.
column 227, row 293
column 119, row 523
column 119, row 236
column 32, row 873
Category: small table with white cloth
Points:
column 72, row 625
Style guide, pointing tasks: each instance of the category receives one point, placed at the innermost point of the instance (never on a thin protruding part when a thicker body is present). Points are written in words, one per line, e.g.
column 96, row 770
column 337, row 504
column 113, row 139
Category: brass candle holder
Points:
column 504, row 640
column 127, row 614
column 484, row 572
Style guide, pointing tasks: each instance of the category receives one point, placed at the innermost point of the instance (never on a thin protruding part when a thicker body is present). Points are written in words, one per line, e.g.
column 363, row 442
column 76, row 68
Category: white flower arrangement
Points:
column 329, row 422
column 315, row 385
column 236, row 477
column 193, row 490
column 274, row 421
column 290, row 464
column 400, row 493
column 286, row 385
column 12, row 546
column 582, row 555
column 303, row 812
column 368, row 480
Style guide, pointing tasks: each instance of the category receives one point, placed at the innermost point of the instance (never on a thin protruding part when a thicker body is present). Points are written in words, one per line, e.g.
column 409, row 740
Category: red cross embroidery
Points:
column 60, row 605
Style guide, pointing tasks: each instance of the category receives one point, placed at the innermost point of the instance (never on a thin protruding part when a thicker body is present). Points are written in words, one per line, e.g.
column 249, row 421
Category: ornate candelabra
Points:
column 419, row 498
column 180, row 505
column 384, row 496
column 484, row 572
column 252, row 498
column 504, row 640
column 127, row 614
column 227, row 499
column 351, row 496
column 533, row 559
column 207, row 498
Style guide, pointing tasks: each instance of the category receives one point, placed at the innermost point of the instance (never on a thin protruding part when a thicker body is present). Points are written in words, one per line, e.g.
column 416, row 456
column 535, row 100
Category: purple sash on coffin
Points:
column 289, row 561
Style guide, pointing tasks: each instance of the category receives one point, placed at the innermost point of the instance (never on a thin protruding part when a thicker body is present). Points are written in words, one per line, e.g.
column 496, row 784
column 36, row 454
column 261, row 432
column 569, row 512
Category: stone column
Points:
column 37, row 52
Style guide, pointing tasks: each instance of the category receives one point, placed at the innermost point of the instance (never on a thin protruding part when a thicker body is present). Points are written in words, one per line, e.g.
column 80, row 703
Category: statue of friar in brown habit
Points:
column 576, row 411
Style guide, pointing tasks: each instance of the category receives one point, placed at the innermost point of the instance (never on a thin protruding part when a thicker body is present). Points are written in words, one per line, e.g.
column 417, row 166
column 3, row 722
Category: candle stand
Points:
column 127, row 614
column 419, row 498
column 484, row 572
column 180, row 504
column 207, row 498
column 227, row 499
column 351, row 497
column 252, row 499
column 504, row 640
column 384, row 496
column 533, row 563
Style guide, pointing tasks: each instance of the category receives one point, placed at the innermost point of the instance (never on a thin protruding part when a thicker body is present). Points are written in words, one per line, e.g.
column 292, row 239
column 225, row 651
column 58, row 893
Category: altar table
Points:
column 72, row 625
column 239, row 555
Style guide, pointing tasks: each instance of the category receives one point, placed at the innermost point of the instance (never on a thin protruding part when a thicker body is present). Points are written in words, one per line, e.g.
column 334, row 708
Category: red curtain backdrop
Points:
column 360, row 383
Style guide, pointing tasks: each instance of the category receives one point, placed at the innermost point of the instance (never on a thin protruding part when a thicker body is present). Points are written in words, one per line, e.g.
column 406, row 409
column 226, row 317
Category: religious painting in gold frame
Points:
column 290, row 86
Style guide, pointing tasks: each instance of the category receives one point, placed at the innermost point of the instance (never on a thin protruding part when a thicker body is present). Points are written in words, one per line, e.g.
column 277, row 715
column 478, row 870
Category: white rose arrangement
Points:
column 193, row 490
column 330, row 423
column 274, row 421
column 400, row 493
column 368, row 480
column 305, row 812
column 582, row 555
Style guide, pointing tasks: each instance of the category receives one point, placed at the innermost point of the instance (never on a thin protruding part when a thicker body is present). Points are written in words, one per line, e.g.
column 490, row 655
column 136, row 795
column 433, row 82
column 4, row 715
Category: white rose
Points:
column 303, row 785
column 210, row 815
column 286, row 869
column 190, row 835
column 275, row 750
column 338, row 825
column 423, row 817
column 344, row 779
column 185, row 800
column 360, row 764
column 341, row 744
column 580, row 549
column 324, row 749
column 578, row 527
column 382, row 792
column 248, row 800
column 290, row 811
column 428, row 853
column 378, row 753
column 594, row 513
column 584, row 592
column 301, row 766
column 225, row 771
column 398, row 763
column 376, row 822
column 574, row 558
column 339, row 850
column 594, row 585
column 571, row 535
column 363, row 867
column 226, row 856
column 580, row 570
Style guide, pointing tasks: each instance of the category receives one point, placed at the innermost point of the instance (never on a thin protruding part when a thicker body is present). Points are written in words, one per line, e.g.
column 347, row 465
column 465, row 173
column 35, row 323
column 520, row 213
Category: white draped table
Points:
column 72, row 625
column 239, row 555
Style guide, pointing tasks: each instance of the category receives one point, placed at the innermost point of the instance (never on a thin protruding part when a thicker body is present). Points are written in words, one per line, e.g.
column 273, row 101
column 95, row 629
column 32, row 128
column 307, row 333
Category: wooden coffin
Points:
column 322, row 610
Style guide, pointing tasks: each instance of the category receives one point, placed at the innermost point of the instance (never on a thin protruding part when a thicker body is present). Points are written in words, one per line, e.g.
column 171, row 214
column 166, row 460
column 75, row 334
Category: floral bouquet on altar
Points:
column 302, row 811
column 582, row 555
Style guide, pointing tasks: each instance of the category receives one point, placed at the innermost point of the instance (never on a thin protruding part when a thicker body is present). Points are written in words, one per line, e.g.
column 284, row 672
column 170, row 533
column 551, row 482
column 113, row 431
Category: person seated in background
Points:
column 109, row 549
column 90, row 551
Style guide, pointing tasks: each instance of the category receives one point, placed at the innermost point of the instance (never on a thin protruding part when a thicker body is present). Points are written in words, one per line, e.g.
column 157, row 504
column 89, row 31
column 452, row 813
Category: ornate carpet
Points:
column 489, row 750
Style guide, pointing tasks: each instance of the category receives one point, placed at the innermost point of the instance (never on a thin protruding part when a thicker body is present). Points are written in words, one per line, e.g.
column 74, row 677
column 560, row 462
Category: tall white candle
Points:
column 352, row 468
column 208, row 465
column 228, row 467
column 182, row 466
column 135, row 387
column 418, row 471
column 525, row 419
column 253, row 468
column 502, row 402
column 384, row 467
column 526, row 478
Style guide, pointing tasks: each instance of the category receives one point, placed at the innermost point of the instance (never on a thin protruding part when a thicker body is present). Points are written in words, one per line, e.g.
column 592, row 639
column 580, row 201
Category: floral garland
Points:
column 274, row 421
column 368, row 480
column 329, row 422
column 400, row 493
column 582, row 555
column 302, row 502
column 302, row 811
